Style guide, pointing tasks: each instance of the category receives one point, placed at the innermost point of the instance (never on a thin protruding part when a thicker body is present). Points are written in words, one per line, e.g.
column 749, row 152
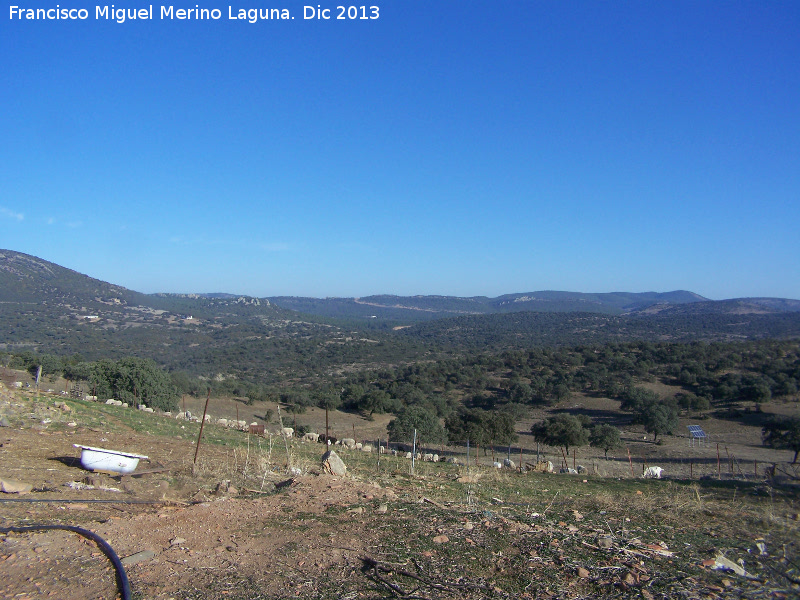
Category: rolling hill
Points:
column 47, row 308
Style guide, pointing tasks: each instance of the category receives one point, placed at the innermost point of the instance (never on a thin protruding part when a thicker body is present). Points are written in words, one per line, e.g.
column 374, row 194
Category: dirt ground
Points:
column 187, row 532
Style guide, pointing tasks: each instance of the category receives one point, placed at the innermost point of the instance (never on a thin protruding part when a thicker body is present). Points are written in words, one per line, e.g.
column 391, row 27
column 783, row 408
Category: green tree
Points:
column 783, row 432
column 659, row 418
column 377, row 401
column 135, row 380
column 563, row 430
column 605, row 437
column 635, row 398
column 482, row 427
column 424, row 421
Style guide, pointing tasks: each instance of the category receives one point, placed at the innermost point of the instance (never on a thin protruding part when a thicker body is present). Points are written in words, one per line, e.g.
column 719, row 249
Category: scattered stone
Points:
column 4, row 422
column 441, row 539
column 332, row 464
column 605, row 541
column 177, row 541
column 629, row 579
column 138, row 557
column 10, row 486
column 357, row 511
column 583, row 573
column 382, row 508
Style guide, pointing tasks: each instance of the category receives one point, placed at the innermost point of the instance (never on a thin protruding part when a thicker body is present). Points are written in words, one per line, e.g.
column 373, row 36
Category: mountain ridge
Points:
column 26, row 278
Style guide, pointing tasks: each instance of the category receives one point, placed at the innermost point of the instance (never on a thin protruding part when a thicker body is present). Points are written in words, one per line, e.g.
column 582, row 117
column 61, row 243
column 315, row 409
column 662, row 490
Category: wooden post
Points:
column 200, row 435
column 630, row 461
column 755, row 469
column 184, row 407
column 574, row 463
column 691, row 470
column 413, row 452
column 327, row 434
column 477, row 451
column 566, row 461
column 520, row 458
column 719, row 466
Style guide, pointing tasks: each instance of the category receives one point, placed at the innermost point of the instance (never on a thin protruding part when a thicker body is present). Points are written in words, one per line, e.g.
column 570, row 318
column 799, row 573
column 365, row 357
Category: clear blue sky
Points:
column 450, row 147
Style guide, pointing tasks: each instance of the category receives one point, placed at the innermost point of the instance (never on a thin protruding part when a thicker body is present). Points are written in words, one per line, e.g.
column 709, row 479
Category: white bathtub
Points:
column 113, row 461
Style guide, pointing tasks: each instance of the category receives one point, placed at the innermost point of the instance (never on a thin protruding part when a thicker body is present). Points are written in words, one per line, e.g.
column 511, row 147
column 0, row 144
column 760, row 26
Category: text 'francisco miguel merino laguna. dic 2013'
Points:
column 252, row 15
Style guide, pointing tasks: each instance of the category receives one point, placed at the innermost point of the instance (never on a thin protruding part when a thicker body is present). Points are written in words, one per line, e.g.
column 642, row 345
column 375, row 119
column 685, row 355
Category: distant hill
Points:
column 425, row 308
column 47, row 308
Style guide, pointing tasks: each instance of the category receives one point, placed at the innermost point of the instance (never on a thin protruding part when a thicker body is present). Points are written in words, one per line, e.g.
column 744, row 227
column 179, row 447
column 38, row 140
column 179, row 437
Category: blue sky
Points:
column 449, row 147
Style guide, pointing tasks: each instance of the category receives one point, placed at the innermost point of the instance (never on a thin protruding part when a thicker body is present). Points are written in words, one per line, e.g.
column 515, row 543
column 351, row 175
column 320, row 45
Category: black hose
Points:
column 123, row 584
column 85, row 501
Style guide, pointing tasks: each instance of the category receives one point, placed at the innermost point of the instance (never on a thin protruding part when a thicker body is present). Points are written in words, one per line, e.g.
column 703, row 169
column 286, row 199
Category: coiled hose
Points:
column 123, row 584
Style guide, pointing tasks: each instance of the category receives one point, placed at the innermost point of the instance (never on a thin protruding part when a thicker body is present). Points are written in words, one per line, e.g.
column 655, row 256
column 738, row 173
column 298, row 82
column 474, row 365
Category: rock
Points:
column 332, row 464
column 629, row 579
column 583, row 573
column 138, row 557
column 568, row 471
column 10, row 486
column 382, row 508
column 441, row 539
column 605, row 541
column 582, row 470
column 177, row 541
column 4, row 422
column 509, row 464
